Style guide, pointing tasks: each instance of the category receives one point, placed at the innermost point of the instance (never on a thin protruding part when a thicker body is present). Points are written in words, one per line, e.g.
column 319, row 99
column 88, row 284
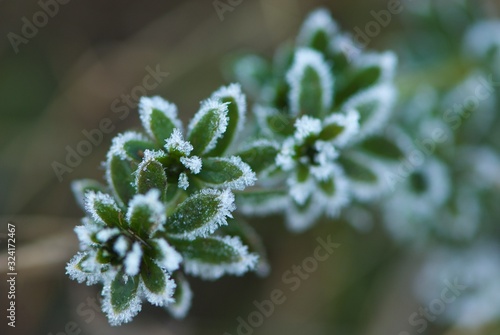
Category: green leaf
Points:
column 210, row 258
column 259, row 155
column 159, row 118
column 151, row 175
column 311, row 84
column 229, row 172
column 201, row 214
column 102, row 207
column 123, row 293
column 382, row 147
column 154, row 278
column 146, row 213
column 235, row 99
column 135, row 149
column 209, row 250
column 207, row 126
column 161, row 126
column 119, row 173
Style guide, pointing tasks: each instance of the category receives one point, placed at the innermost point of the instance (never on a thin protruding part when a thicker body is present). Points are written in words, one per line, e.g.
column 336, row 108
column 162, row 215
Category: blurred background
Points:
column 87, row 64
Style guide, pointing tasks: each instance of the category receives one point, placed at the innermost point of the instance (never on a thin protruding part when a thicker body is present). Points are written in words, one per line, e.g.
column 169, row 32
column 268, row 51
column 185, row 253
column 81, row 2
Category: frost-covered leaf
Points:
column 340, row 128
column 146, row 213
column 259, row 155
column 301, row 217
column 102, row 208
column 207, row 126
column 119, row 174
column 121, row 299
column 82, row 186
column 311, row 84
column 250, row 238
column 79, row 270
column 262, row 202
column 370, row 70
column 374, row 107
column 317, row 30
column 130, row 146
column 150, row 174
column 158, row 117
column 182, row 296
column 158, row 287
column 210, row 258
column 201, row 214
column 230, row 172
column 236, row 112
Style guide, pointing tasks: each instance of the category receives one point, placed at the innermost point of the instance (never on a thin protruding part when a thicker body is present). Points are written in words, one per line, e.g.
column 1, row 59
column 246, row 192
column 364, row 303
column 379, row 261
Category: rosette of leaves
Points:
column 188, row 164
column 146, row 229
column 324, row 102
column 446, row 189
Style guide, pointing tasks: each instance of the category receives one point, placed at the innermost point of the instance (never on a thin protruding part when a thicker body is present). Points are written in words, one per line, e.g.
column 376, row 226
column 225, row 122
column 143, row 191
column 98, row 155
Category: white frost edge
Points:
column 165, row 297
column 385, row 95
column 350, row 122
column 234, row 91
column 257, row 208
column 481, row 37
column 77, row 187
column 319, row 19
column 179, row 309
column 92, row 197
column 76, row 274
column 285, row 158
column 207, row 106
column 148, row 104
column 118, row 142
column 387, row 61
column 297, row 220
column 207, row 271
column 305, row 58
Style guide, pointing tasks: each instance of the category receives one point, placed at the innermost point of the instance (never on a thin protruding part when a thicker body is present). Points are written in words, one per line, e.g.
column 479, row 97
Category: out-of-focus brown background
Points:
column 76, row 71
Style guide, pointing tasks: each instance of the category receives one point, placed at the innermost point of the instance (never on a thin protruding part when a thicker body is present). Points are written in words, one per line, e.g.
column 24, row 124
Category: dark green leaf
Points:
column 120, row 178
